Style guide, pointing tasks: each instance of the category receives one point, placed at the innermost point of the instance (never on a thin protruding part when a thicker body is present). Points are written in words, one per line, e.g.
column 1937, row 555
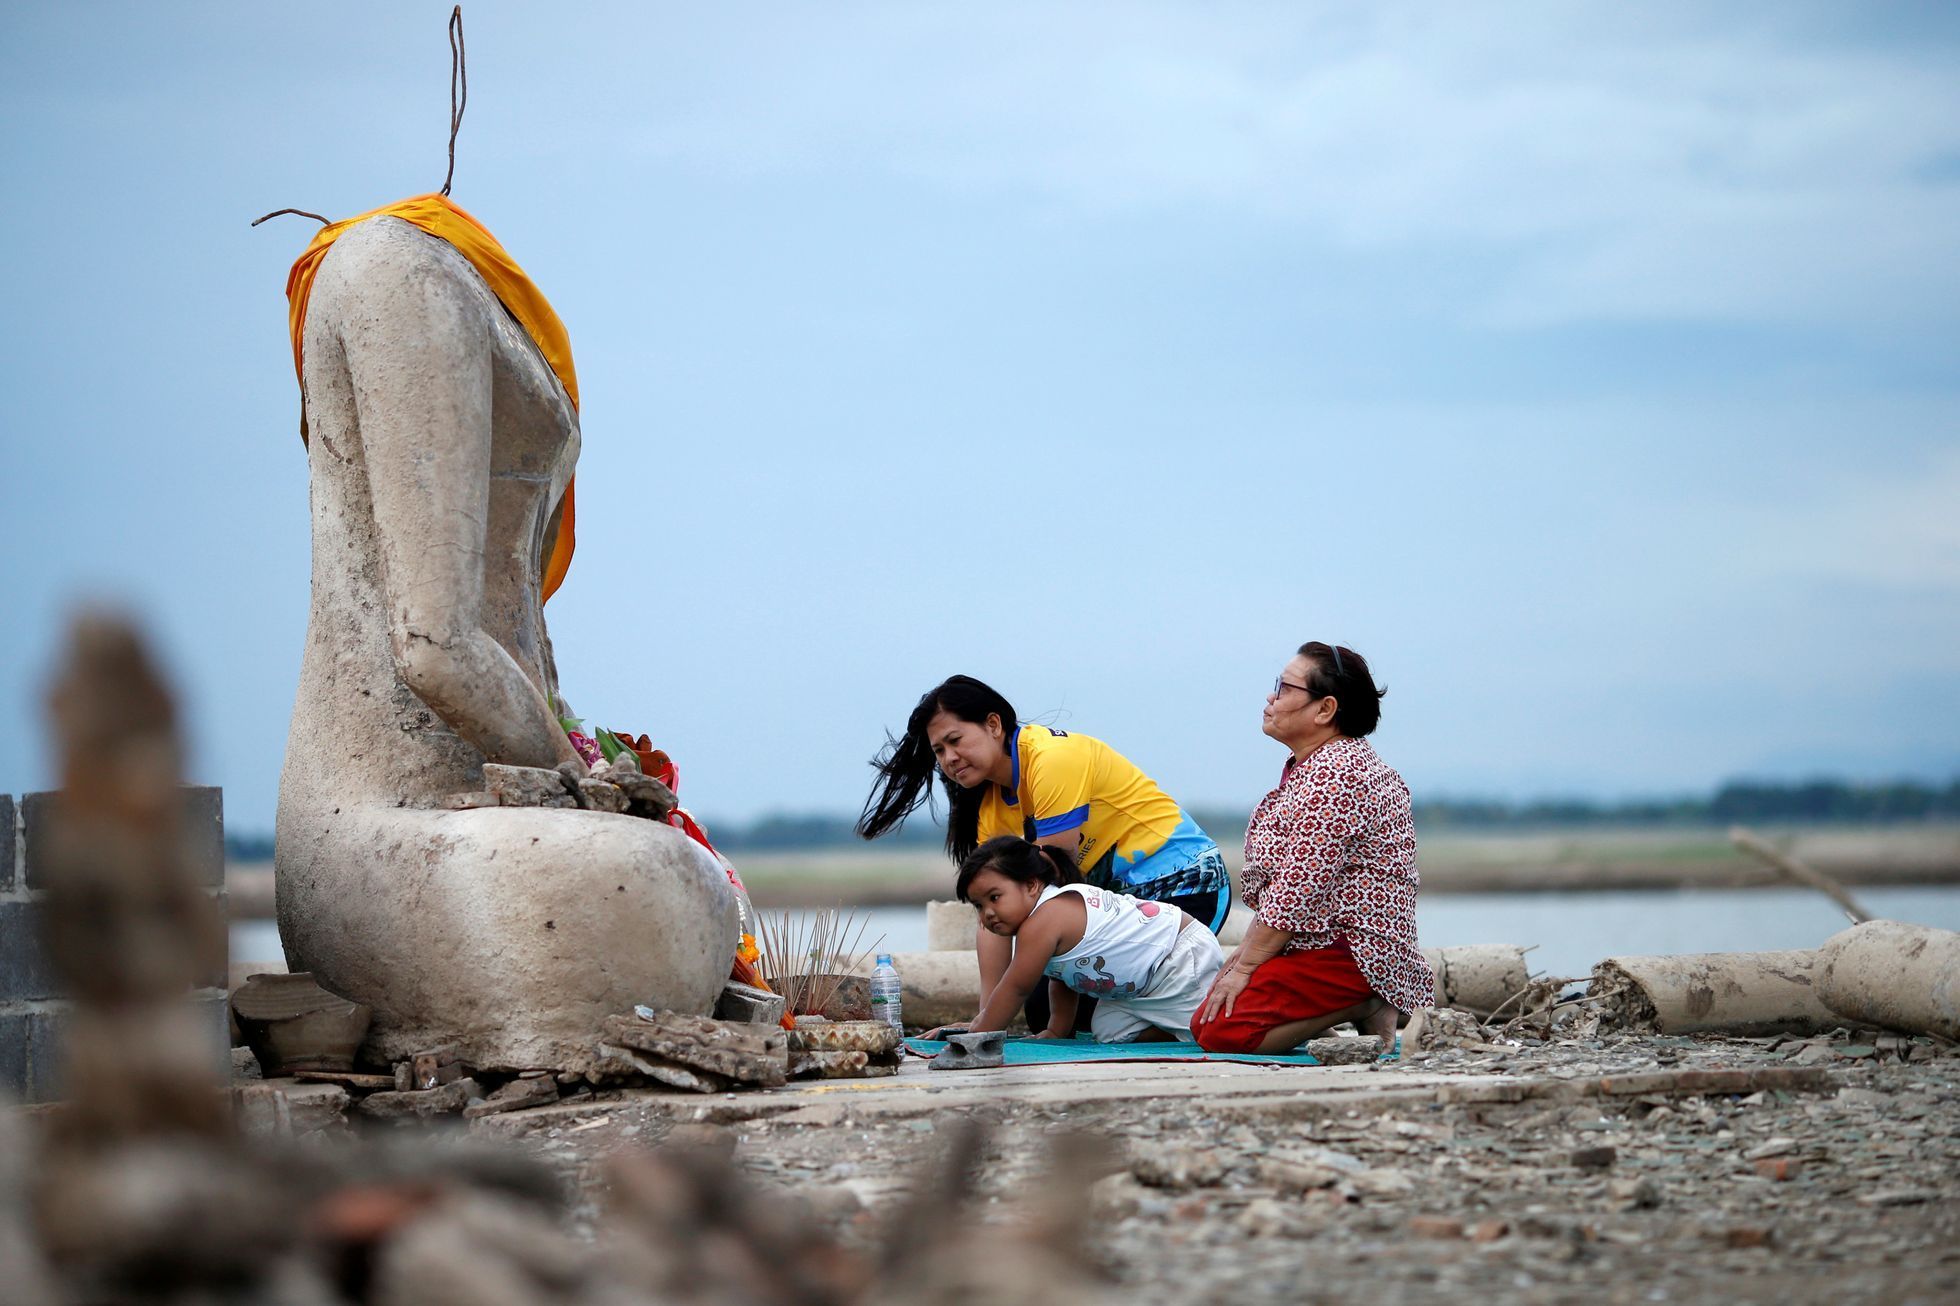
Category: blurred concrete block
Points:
column 203, row 833
column 9, row 843
column 24, row 970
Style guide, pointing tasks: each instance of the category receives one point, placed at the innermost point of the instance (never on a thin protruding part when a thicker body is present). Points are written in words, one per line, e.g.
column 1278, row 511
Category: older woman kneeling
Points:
column 1330, row 868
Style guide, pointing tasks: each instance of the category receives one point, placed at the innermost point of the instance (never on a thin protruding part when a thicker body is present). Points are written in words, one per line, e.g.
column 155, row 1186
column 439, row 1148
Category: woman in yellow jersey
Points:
column 1072, row 792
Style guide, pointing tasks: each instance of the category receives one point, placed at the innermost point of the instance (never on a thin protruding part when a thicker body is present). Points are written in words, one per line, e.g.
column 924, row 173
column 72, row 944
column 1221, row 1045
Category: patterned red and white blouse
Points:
column 1331, row 852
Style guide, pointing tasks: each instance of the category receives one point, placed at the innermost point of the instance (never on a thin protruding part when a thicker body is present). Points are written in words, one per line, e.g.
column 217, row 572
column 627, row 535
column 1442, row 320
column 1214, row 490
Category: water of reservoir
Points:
column 1572, row 931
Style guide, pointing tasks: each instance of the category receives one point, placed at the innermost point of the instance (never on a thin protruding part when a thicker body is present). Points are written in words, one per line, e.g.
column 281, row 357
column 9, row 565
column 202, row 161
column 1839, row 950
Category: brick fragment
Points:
column 1435, row 1226
column 1594, row 1158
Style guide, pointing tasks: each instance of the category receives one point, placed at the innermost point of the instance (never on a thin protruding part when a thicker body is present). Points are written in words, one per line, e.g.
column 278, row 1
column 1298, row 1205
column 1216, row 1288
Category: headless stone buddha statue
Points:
column 441, row 447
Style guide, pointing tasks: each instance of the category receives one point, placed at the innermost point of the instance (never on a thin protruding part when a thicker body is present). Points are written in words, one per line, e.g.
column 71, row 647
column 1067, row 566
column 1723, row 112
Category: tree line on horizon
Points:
column 1739, row 802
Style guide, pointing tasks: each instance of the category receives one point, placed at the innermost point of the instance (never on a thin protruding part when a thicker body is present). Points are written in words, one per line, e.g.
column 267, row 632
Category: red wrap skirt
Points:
column 1292, row 986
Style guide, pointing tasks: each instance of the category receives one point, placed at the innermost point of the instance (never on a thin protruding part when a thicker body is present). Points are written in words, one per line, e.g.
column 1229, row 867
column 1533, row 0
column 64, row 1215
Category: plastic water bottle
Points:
column 885, row 993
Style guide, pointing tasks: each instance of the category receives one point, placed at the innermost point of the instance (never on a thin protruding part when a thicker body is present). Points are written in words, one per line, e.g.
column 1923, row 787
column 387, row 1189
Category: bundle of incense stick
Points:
column 808, row 958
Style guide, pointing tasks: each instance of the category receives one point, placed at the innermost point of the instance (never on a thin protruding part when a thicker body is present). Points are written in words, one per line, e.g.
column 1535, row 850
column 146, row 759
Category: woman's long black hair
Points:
column 906, row 767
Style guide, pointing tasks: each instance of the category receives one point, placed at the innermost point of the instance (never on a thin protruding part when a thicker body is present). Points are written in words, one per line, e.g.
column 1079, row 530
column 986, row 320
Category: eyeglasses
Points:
column 1281, row 685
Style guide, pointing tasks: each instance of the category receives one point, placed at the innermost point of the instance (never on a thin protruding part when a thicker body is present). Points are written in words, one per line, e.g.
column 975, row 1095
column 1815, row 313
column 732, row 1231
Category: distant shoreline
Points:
column 1547, row 861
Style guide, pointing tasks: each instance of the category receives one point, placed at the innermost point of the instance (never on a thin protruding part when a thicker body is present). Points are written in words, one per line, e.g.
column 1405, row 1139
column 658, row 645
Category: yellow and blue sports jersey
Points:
column 1134, row 837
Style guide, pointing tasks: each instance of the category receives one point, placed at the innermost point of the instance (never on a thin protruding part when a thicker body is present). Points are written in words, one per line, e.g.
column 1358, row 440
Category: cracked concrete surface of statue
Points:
column 441, row 445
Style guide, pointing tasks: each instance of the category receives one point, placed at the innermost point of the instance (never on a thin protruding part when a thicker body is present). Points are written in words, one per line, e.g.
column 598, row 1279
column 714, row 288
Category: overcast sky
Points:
column 1591, row 369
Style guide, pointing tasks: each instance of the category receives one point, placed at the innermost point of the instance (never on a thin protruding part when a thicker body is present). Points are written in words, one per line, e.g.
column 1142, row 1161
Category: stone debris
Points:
column 1177, row 1168
column 696, row 1053
column 526, row 786
column 1431, row 1028
column 1633, row 1194
column 355, row 1082
column 617, row 786
column 1595, row 1158
column 598, row 796
column 290, row 1108
column 645, row 796
column 1299, row 1176
column 972, row 1051
column 1383, row 1182
column 1435, row 1226
column 1352, row 1050
column 749, row 1005
column 434, row 1067
column 524, row 1091
column 422, row 1103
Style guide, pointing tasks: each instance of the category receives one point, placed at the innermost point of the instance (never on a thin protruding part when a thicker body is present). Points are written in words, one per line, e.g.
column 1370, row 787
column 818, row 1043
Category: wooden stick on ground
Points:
column 1790, row 868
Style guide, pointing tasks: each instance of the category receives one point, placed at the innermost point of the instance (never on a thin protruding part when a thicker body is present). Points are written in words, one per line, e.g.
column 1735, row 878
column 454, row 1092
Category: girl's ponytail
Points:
column 1018, row 860
column 1061, row 866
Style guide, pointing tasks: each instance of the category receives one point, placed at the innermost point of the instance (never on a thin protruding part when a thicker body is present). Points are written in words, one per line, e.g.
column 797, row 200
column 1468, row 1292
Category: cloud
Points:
column 1663, row 165
column 1895, row 528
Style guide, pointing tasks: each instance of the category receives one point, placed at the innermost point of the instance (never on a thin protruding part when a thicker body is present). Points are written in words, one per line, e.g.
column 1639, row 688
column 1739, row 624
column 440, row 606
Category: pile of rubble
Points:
column 640, row 1050
column 615, row 786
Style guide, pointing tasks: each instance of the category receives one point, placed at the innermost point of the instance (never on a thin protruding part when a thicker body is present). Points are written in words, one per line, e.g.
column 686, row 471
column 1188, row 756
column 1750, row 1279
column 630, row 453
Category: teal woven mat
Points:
column 1024, row 1051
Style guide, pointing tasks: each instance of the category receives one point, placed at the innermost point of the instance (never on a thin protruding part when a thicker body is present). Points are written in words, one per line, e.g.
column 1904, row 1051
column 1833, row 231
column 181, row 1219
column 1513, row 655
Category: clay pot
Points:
column 291, row 1023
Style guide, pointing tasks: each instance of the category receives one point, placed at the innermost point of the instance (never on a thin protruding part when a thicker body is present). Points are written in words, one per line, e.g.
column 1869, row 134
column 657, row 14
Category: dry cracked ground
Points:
column 1845, row 1194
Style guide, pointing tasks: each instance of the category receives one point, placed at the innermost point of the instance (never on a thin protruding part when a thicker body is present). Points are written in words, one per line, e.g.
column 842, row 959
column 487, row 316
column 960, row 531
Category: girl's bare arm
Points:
column 1035, row 945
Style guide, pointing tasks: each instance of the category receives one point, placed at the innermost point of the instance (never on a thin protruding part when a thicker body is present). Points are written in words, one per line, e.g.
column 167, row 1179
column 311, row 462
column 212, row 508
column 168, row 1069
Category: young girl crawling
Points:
column 1147, row 964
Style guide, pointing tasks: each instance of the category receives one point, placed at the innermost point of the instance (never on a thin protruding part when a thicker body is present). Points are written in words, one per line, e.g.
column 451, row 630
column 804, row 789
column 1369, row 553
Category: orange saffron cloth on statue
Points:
column 442, row 218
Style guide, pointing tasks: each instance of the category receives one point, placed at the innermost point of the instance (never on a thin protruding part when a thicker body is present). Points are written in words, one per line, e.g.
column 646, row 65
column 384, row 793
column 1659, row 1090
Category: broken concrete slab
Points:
column 422, row 1104
column 747, row 1004
column 526, row 786
column 1358, row 1050
column 290, row 1108
column 517, row 1095
column 694, row 1052
column 972, row 1051
column 598, row 796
